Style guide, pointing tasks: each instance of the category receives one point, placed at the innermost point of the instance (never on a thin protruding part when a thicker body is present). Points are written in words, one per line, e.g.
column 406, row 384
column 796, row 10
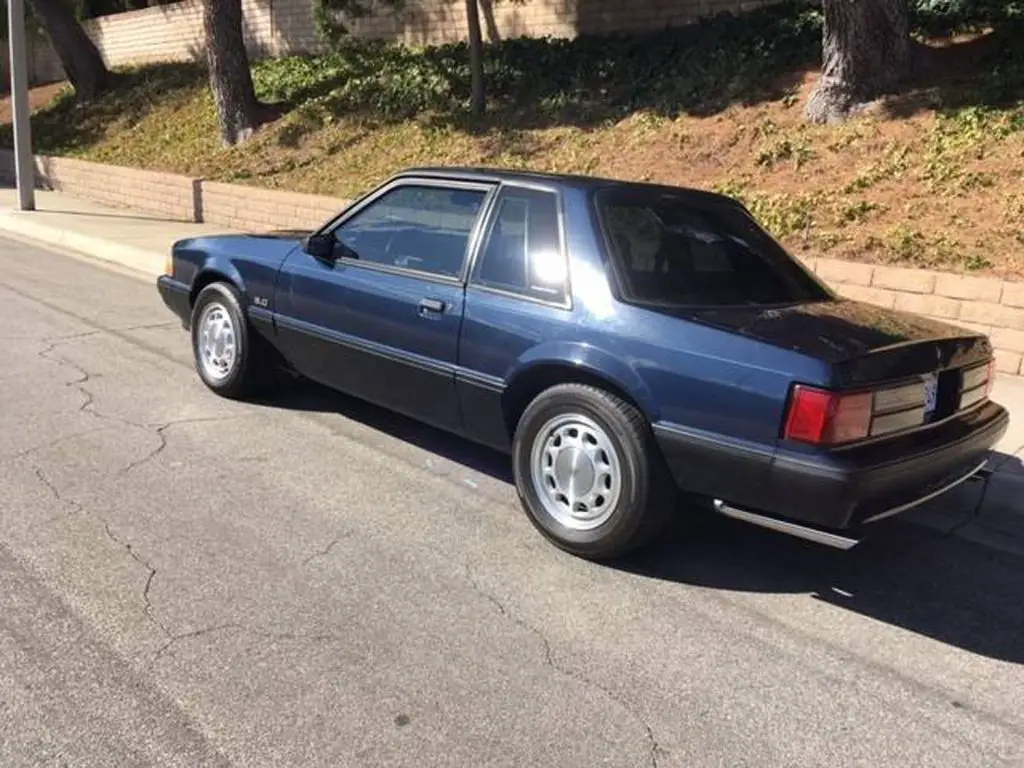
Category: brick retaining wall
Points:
column 247, row 208
column 165, row 194
column 990, row 305
column 987, row 304
column 179, row 198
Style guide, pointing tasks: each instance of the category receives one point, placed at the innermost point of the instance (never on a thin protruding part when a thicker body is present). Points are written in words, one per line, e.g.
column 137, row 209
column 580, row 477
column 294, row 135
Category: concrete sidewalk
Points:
column 992, row 512
column 139, row 241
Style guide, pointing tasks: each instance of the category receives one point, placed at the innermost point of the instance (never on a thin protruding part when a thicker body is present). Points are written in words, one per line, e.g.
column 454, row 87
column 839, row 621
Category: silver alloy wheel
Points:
column 216, row 342
column 576, row 471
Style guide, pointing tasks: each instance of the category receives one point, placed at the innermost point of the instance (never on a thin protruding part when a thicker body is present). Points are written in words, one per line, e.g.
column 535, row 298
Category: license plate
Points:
column 931, row 390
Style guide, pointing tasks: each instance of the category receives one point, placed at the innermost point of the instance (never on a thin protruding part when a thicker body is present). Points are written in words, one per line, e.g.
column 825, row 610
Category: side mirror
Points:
column 320, row 247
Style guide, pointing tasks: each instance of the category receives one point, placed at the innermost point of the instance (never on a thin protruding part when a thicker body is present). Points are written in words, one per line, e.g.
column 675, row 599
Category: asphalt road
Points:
column 308, row 581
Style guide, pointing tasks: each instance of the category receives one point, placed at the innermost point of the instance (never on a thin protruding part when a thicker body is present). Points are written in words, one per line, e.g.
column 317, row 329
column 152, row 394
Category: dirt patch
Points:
column 38, row 98
column 933, row 177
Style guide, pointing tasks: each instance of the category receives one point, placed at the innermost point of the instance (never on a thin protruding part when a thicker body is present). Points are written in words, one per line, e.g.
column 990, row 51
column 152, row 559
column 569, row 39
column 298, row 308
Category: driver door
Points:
column 380, row 319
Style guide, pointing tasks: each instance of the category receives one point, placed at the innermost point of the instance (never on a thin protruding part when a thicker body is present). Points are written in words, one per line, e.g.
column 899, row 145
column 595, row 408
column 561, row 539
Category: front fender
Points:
column 250, row 263
column 196, row 262
column 592, row 361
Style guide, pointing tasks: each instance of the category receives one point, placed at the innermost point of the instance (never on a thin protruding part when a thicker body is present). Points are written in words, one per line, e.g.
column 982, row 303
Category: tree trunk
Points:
column 476, row 59
column 866, row 53
column 230, row 76
column 487, row 8
column 78, row 55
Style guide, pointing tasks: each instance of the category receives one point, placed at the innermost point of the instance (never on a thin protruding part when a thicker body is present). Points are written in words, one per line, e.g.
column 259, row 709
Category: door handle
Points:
column 433, row 306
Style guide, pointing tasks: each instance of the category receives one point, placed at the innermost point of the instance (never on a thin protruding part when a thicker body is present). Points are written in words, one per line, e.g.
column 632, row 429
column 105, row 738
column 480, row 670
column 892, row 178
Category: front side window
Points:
column 425, row 228
column 690, row 250
column 522, row 252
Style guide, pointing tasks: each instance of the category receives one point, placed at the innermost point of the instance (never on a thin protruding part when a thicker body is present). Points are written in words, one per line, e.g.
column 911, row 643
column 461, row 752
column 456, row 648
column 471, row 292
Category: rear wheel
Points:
column 588, row 473
column 230, row 359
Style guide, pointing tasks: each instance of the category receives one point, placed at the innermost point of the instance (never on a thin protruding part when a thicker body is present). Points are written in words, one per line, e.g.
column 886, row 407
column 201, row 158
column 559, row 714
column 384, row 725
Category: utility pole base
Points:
column 24, row 167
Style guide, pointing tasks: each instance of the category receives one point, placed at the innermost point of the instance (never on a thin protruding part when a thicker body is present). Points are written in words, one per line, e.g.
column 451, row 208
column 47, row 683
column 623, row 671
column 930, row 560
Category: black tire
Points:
column 252, row 363
column 647, row 495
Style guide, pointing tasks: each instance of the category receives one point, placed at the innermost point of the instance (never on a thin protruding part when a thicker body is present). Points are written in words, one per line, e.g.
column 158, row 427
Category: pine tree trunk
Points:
column 78, row 55
column 866, row 53
column 230, row 76
column 476, row 59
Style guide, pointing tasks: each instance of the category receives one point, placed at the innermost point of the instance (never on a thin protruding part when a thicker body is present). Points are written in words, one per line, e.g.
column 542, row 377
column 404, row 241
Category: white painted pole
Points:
column 24, row 167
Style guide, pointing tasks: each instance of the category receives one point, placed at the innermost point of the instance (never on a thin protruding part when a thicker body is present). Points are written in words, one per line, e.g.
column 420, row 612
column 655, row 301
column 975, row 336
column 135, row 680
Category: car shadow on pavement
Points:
column 935, row 584
column 304, row 395
column 929, row 582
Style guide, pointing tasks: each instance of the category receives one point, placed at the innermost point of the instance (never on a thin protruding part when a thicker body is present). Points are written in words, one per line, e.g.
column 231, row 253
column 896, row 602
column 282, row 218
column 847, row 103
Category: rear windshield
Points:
column 687, row 250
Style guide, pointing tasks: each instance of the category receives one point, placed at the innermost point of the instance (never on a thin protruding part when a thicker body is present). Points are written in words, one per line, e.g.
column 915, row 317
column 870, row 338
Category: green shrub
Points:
column 672, row 71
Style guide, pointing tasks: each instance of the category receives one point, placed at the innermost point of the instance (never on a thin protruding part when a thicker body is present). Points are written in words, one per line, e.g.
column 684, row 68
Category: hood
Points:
column 284, row 234
column 225, row 240
column 269, row 249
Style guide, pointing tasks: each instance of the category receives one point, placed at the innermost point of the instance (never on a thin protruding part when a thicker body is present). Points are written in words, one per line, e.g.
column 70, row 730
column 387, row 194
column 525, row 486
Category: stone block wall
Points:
column 987, row 304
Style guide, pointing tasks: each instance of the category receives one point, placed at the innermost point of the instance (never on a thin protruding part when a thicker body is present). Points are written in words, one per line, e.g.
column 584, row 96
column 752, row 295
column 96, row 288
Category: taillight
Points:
column 828, row 418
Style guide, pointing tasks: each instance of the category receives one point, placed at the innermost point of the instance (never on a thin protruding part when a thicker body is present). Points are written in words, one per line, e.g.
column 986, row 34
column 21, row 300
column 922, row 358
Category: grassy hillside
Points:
column 931, row 177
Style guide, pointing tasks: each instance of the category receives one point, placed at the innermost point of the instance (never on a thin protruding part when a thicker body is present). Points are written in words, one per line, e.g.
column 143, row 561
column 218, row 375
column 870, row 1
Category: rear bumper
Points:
column 846, row 490
column 176, row 296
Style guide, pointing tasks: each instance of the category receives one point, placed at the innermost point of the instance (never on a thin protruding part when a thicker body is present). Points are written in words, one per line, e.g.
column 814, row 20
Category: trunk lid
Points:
column 863, row 344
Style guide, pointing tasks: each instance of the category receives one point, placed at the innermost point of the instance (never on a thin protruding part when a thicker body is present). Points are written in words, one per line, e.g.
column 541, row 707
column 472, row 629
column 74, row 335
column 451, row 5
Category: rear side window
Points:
column 689, row 250
column 522, row 251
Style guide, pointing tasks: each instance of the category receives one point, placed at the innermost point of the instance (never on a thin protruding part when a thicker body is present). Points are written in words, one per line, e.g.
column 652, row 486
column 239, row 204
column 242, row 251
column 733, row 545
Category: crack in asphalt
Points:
column 88, row 406
column 51, row 339
column 147, row 602
column 173, row 639
column 94, row 332
column 55, row 491
column 89, row 399
column 53, row 442
column 327, row 550
column 319, row 637
column 160, row 430
column 78, row 507
column 654, row 748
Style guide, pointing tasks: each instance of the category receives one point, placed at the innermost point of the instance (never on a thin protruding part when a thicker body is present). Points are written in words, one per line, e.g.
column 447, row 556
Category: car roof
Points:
column 586, row 183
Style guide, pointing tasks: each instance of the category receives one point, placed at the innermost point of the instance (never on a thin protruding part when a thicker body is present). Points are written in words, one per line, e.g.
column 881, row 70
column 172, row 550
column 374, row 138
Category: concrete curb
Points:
column 141, row 260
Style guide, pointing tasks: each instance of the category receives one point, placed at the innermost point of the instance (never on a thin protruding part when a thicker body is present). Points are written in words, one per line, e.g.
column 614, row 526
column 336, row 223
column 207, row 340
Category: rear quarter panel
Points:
column 722, row 392
column 715, row 399
column 691, row 375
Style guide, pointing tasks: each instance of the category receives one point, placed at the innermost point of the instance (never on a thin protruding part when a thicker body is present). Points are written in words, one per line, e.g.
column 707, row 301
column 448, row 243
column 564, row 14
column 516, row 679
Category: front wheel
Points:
column 588, row 473
column 229, row 358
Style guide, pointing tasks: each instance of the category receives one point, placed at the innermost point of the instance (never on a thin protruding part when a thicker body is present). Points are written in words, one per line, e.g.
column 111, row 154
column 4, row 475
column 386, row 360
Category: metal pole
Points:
column 24, row 167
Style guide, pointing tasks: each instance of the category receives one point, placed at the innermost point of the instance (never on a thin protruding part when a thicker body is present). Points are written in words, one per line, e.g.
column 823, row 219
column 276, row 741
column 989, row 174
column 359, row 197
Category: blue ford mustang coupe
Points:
column 622, row 341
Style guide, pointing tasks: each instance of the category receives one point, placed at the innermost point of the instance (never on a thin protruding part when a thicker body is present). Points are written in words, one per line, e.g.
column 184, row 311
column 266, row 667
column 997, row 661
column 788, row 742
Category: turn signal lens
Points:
column 828, row 418
column 169, row 264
